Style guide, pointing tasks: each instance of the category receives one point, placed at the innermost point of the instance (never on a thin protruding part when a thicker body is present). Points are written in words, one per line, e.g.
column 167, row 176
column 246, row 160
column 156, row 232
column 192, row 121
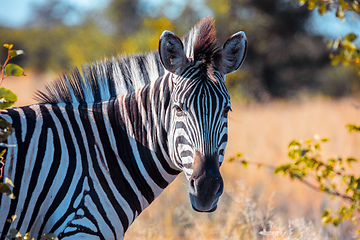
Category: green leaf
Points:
column 245, row 163
column 239, row 155
column 27, row 236
column 302, row 2
column 343, row 179
column 326, row 212
column 9, row 182
column 4, row 105
column 11, row 196
column 7, row 97
column 291, row 154
column 293, row 143
column 5, row 129
column 317, row 146
column 3, row 152
column 340, row 12
column 8, row 46
column 325, row 139
column 329, row 44
column 335, row 60
column 353, row 182
column 336, row 45
column 14, row 53
column 326, row 218
column 13, row 234
column 282, row 168
column 343, row 210
column 312, row 5
column 356, row 6
column 11, row 219
column 322, row 8
column 350, row 160
column 5, row 188
column 353, row 127
column 49, row 236
column 14, row 70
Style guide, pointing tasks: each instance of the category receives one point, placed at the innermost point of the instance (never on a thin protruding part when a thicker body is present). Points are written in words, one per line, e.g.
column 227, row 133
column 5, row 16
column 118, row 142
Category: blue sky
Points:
column 331, row 27
column 14, row 13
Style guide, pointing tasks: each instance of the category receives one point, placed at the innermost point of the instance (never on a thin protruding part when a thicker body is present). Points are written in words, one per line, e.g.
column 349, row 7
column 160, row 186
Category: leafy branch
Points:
column 329, row 176
column 10, row 69
column 15, row 234
column 341, row 6
column 7, row 99
column 353, row 127
column 345, row 50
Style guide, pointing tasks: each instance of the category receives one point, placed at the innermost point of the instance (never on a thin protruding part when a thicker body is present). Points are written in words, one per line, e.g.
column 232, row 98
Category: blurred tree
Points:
column 51, row 13
column 283, row 60
column 147, row 37
column 126, row 16
column 74, row 45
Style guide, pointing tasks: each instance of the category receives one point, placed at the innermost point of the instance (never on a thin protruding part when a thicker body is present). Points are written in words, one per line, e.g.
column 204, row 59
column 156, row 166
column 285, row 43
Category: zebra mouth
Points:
column 205, row 211
column 207, row 205
column 205, row 184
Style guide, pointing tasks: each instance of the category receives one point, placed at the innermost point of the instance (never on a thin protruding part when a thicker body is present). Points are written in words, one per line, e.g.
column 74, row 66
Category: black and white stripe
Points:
column 103, row 144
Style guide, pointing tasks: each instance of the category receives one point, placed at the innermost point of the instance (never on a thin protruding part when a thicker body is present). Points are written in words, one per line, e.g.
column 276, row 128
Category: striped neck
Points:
column 144, row 114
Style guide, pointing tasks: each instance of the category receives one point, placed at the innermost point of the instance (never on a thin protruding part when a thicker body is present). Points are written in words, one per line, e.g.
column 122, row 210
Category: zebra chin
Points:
column 205, row 196
column 205, row 184
column 200, row 206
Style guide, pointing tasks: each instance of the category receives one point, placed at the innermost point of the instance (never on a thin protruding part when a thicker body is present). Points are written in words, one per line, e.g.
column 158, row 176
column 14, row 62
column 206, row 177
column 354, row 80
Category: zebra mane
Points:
column 103, row 80
column 200, row 44
column 109, row 78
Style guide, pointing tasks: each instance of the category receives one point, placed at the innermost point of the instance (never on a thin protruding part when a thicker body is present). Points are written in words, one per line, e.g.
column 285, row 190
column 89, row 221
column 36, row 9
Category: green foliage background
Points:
column 283, row 60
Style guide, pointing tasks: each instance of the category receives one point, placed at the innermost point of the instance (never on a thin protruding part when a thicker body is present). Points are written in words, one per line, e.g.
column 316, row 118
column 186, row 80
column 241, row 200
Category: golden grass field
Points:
column 254, row 199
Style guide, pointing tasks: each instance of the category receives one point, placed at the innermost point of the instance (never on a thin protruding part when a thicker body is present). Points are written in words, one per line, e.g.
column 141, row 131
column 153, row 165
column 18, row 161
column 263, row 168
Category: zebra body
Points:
column 111, row 169
column 104, row 144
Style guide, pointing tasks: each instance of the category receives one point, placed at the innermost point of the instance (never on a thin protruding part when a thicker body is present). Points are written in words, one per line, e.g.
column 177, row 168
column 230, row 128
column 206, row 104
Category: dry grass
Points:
column 254, row 199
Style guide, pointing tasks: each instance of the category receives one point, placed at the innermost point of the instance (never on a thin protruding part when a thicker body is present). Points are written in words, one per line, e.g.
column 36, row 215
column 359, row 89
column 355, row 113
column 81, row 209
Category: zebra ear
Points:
column 233, row 53
column 171, row 51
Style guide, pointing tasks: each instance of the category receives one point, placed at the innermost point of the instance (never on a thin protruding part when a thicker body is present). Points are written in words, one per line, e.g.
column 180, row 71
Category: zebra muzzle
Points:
column 205, row 184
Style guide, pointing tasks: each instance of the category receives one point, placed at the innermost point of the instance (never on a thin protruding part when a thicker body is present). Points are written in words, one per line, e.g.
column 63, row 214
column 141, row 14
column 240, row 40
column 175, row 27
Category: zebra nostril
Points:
column 192, row 184
column 220, row 189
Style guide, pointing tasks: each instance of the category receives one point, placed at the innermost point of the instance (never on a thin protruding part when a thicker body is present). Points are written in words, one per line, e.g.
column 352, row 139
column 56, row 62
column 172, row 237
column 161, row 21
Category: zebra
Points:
column 104, row 141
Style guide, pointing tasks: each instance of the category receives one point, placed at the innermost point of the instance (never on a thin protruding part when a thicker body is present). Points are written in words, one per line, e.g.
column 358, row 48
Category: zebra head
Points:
column 199, row 106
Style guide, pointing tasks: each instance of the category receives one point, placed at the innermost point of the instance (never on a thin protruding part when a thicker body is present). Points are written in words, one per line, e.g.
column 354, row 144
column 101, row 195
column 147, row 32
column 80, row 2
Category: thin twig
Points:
column 331, row 192
column 307, row 183
column 3, row 67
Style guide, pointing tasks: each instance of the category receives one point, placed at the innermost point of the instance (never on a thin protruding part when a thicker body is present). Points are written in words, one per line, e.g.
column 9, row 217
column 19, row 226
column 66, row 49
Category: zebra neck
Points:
column 143, row 114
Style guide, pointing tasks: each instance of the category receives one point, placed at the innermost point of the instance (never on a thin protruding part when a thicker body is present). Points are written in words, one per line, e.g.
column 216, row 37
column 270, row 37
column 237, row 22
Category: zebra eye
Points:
column 179, row 111
column 226, row 110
